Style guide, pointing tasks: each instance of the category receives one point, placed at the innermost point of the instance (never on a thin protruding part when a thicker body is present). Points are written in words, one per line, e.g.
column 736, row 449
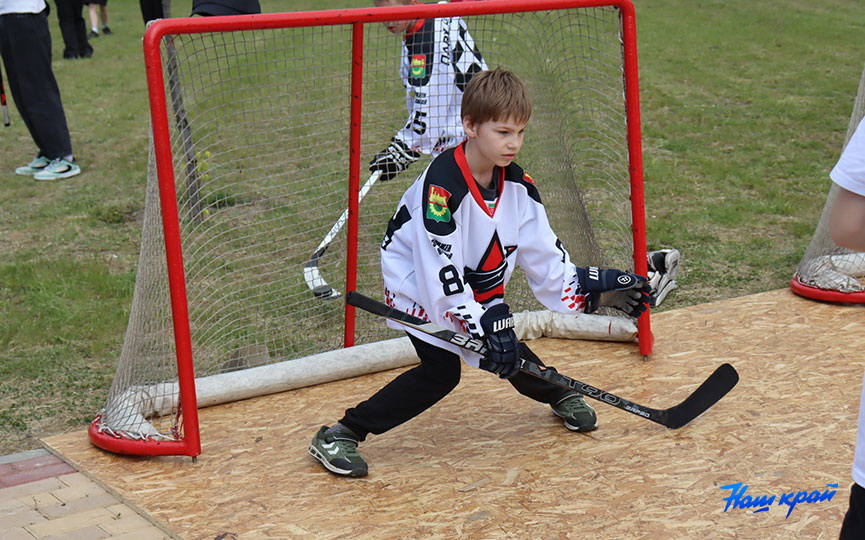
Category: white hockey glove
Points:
column 629, row 293
column 393, row 160
column 663, row 269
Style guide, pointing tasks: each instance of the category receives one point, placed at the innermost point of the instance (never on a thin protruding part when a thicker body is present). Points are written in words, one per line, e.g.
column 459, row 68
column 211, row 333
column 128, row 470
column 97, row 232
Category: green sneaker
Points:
column 34, row 167
column 57, row 169
column 336, row 448
column 576, row 413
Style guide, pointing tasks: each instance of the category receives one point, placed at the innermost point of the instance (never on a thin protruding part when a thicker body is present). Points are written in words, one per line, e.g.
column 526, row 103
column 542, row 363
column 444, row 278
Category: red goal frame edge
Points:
column 825, row 295
column 358, row 17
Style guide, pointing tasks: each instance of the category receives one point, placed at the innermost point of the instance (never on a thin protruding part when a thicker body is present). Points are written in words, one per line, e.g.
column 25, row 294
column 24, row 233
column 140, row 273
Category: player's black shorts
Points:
column 98, row 2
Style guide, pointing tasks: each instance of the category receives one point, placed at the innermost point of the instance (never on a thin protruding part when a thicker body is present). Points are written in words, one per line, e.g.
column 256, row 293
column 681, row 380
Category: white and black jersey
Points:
column 448, row 253
column 439, row 59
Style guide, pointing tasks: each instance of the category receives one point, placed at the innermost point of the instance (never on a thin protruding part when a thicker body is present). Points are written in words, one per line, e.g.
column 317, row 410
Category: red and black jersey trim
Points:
column 515, row 173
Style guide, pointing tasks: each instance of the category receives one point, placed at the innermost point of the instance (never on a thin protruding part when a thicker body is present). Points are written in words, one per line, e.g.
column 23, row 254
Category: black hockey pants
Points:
column 419, row 388
column 853, row 527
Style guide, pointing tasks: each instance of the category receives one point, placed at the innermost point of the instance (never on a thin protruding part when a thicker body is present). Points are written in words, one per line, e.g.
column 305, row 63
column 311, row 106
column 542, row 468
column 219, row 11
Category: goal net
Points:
column 827, row 271
column 262, row 130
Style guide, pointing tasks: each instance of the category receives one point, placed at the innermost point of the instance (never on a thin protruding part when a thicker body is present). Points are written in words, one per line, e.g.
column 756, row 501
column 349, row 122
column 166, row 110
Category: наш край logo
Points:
column 739, row 500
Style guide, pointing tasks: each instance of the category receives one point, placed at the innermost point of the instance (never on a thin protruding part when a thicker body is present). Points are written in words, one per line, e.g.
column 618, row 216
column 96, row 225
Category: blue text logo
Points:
column 738, row 500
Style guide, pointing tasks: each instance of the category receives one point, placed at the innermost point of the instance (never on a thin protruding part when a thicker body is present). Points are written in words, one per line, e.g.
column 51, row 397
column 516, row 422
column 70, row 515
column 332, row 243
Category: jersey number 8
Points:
column 451, row 281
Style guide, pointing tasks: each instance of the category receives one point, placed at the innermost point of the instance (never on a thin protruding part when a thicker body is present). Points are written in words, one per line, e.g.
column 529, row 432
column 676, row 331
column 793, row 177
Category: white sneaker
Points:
column 34, row 166
column 57, row 169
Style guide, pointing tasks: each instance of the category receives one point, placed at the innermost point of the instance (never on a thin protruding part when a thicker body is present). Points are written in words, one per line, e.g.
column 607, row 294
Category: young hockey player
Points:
column 439, row 58
column 447, row 256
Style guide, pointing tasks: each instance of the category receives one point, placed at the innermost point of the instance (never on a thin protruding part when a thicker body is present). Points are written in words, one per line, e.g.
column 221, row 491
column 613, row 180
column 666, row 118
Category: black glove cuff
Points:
column 497, row 318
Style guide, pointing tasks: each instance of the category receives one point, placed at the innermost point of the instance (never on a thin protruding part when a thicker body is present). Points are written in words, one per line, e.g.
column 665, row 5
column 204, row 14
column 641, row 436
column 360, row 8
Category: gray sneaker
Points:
column 576, row 413
column 34, row 166
column 336, row 449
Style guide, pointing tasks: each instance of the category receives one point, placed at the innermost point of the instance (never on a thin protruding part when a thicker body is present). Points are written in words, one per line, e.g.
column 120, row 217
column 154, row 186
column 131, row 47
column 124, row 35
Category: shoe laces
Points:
column 574, row 405
column 57, row 164
column 345, row 445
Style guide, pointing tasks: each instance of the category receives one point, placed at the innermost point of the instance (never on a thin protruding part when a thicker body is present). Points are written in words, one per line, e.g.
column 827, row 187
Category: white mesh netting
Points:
column 259, row 129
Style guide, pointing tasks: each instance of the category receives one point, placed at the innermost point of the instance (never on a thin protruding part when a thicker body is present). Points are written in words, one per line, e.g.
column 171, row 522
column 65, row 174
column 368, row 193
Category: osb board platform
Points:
column 488, row 463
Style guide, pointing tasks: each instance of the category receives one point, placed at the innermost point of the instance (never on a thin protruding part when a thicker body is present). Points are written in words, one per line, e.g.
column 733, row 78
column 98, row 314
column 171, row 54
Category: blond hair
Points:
column 496, row 95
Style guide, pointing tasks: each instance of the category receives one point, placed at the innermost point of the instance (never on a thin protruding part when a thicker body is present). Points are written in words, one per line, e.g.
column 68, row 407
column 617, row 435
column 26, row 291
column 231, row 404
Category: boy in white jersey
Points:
column 847, row 227
column 447, row 255
column 439, row 58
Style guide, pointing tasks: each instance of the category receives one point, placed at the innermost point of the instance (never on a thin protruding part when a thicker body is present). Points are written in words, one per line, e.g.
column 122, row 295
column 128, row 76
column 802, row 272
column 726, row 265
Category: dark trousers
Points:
column 421, row 387
column 853, row 527
column 150, row 10
column 25, row 46
column 73, row 29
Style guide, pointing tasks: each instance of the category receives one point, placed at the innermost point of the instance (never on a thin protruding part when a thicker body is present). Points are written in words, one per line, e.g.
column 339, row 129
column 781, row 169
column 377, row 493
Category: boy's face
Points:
column 497, row 141
column 395, row 27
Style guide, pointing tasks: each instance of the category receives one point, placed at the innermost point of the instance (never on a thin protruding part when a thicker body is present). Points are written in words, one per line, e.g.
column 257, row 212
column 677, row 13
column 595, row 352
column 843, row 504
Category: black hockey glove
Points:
column 503, row 347
column 630, row 293
column 393, row 160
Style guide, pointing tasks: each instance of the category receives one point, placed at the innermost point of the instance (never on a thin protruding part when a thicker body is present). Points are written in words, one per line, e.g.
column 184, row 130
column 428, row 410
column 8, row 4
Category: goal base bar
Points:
column 825, row 295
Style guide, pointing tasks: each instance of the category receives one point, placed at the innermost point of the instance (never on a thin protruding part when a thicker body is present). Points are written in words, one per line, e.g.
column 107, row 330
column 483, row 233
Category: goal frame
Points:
column 823, row 253
column 357, row 18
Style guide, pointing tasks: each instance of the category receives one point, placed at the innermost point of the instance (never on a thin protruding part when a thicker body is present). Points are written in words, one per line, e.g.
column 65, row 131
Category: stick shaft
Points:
column 311, row 274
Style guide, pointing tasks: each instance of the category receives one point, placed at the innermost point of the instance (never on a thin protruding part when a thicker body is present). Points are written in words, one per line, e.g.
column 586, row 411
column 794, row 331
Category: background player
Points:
column 25, row 46
column 847, row 227
column 448, row 253
column 98, row 11
column 439, row 58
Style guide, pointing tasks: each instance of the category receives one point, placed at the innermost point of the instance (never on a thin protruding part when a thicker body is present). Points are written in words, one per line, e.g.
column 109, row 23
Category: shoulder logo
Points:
column 528, row 179
column 437, row 204
column 418, row 66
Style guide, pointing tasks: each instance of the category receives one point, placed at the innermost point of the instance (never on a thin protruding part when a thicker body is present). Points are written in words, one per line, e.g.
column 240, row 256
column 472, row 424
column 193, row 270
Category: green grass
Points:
column 744, row 108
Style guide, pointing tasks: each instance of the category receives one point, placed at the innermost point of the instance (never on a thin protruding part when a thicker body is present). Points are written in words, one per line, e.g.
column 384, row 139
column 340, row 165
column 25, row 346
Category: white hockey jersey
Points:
column 439, row 59
column 447, row 254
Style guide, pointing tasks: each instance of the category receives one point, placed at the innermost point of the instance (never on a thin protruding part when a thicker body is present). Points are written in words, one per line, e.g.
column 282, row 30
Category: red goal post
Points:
column 177, row 150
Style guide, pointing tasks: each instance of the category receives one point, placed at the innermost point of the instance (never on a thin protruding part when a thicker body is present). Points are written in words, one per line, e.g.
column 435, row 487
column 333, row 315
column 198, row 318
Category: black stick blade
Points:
column 710, row 392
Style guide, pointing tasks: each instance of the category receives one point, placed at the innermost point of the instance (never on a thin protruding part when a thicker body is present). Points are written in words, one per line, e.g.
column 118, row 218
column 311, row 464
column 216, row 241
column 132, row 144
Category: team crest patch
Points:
column 418, row 66
column 437, row 207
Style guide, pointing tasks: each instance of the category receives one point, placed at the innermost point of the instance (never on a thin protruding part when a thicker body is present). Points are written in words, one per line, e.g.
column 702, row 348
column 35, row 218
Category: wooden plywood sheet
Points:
column 488, row 463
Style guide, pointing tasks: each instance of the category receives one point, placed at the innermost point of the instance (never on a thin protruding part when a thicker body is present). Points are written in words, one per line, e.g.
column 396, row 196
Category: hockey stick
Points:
column 319, row 287
column 713, row 389
column 6, row 121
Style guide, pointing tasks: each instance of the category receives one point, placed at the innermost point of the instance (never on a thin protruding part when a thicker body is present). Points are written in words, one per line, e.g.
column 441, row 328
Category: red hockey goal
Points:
column 262, row 126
